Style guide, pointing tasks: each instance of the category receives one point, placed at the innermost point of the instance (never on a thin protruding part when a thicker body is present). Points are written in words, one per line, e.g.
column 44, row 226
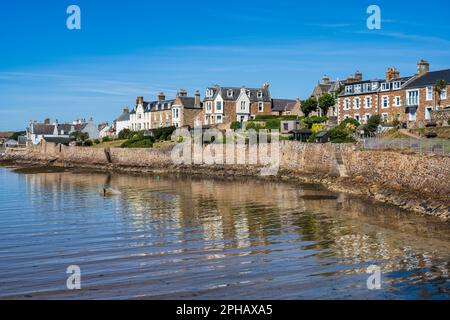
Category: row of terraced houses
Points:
column 410, row 100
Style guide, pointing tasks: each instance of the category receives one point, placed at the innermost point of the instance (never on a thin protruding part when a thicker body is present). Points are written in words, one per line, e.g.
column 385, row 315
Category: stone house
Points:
column 36, row 132
column 332, row 87
column 123, row 121
column 362, row 99
column 223, row 105
column 409, row 100
column 286, row 107
column 179, row 112
column 421, row 101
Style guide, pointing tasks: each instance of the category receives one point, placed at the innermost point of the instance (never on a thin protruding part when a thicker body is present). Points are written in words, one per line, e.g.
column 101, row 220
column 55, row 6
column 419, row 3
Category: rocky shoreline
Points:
column 408, row 200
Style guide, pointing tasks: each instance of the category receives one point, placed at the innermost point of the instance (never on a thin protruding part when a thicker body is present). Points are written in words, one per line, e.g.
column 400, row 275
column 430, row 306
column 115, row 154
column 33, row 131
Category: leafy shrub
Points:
column 125, row 134
column 165, row 133
column 372, row 124
column 88, row 143
column 316, row 128
column 235, row 125
column 96, row 141
column 106, row 139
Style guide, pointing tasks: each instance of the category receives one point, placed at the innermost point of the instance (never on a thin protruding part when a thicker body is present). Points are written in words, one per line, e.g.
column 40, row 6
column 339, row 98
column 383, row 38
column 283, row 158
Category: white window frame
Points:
column 357, row 115
column 385, row 86
column 385, row 117
column 347, row 104
column 357, row 105
column 260, row 94
column 397, row 101
column 260, row 107
column 444, row 94
column 368, row 105
column 429, row 93
column 396, row 85
column 408, row 98
column 219, row 103
column 382, row 102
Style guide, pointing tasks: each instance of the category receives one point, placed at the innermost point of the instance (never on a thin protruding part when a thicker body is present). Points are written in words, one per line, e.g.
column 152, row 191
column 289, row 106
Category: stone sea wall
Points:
column 416, row 182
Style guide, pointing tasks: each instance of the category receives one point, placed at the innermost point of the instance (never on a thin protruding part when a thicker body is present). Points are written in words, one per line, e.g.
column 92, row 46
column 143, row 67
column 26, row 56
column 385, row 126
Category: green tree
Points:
column 325, row 102
column 439, row 87
column 309, row 106
column 372, row 124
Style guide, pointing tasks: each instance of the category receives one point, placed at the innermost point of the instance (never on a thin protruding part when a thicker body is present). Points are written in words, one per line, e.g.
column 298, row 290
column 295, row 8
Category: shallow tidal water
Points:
column 172, row 237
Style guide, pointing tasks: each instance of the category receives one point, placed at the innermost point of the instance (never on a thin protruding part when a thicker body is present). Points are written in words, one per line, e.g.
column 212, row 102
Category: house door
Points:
column 428, row 114
column 412, row 114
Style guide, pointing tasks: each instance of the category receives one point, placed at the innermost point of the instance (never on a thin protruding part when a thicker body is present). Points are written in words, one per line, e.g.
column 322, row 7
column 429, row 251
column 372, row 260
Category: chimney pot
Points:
column 197, row 99
column 326, row 79
column 423, row 67
column 139, row 100
column 358, row 76
column 161, row 97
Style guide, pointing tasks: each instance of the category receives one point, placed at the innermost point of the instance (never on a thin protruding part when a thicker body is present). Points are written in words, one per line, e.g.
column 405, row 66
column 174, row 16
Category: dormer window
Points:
column 349, row 89
column 249, row 93
column 230, row 93
column 397, row 85
column 374, row 86
column 357, row 88
column 385, row 86
column 260, row 94
column 209, row 93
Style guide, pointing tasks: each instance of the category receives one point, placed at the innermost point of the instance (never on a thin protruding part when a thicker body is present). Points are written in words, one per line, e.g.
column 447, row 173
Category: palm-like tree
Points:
column 439, row 87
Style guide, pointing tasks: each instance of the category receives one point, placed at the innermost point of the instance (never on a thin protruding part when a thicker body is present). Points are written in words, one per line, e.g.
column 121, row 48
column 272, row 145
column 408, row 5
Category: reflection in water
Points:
column 179, row 237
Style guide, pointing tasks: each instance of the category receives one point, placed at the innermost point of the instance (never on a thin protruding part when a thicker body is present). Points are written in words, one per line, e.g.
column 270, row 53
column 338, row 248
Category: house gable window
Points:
column 261, row 107
column 209, row 93
column 243, row 106
column 219, row 106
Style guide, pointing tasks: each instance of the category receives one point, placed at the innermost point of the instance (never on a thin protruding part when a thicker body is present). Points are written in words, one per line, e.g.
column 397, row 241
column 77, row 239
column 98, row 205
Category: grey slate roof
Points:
column 189, row 103
column 283, row 104
column 429, row 79
column 124, row 117
column 60, row 140
column 48, row 129
column 237, row 91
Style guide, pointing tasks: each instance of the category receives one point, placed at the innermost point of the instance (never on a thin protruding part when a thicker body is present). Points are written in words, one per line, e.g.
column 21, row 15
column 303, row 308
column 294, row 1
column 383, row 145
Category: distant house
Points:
column 11, row 143
column 223, row 105
column 123, row 121
column 285, row 107
column 4, row 136
column 36, row 132
column 333, row 88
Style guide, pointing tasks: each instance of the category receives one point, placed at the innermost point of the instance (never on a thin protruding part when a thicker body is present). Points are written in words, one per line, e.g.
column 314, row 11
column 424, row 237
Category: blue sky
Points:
column 138, row 47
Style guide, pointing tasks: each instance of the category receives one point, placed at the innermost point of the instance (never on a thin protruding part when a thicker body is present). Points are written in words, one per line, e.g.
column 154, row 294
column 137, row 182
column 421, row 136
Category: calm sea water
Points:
column 184, row 238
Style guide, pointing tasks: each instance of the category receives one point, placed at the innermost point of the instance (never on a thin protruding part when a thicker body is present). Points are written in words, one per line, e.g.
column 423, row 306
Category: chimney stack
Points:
column 126, row 110
column 197, row 99
column 161, row 97
column 423, row 67
column 47, row 121
column 182, row 93
column 140, row 101
column 326, row 79
column 392, row 74
column 265, row 85
column 358, row 76
column 351, row 79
